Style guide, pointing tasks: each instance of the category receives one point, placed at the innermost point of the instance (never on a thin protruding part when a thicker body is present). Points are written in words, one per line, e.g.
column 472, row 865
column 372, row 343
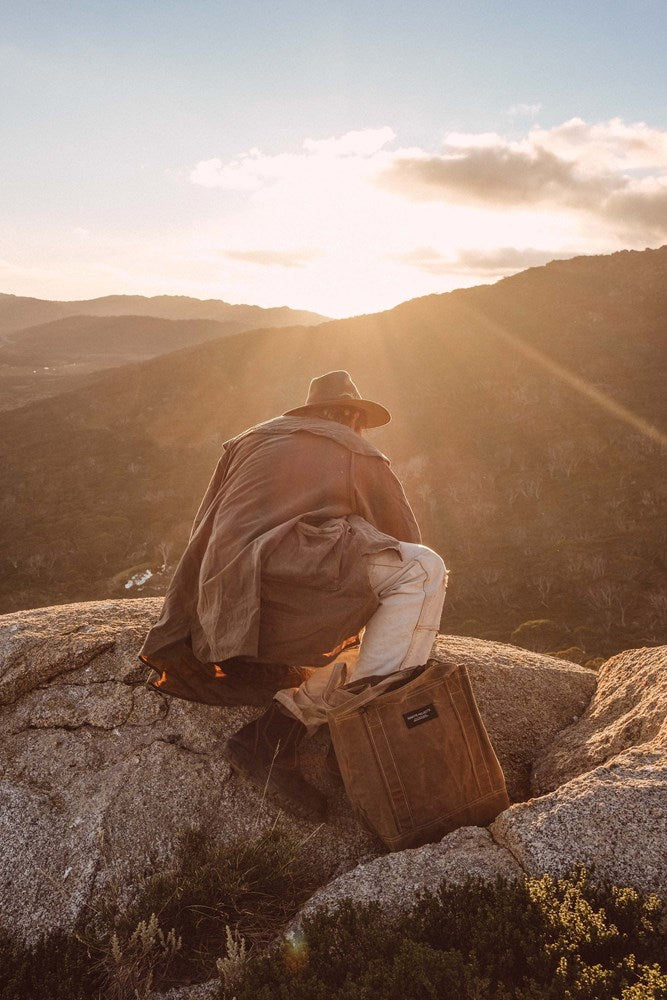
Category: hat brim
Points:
column 376, row 415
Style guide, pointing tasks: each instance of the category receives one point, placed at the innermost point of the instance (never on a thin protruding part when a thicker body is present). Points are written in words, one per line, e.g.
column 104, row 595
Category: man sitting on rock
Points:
column 303, row 539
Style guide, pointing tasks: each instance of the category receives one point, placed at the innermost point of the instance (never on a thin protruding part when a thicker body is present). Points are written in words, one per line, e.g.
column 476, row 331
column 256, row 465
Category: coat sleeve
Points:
column 380, row 499
column 212, row 490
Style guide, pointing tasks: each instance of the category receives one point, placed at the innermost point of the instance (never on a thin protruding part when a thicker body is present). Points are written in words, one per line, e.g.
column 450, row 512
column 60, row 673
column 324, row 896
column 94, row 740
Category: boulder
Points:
column 628, row 709
column 100, row 774
column 525, row 699
column 396, row 880
column 201, row 991
column 612, row 819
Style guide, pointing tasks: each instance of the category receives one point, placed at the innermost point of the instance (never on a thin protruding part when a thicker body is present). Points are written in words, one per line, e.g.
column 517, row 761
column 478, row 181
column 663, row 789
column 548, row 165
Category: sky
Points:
column 335, row 156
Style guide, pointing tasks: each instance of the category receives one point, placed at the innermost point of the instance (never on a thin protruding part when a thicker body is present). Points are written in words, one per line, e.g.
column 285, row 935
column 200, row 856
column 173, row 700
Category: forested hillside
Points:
column 525, row 429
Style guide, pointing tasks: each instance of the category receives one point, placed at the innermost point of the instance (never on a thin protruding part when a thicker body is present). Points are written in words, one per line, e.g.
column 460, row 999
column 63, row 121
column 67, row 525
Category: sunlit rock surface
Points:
column 612, row 819
column 100, row 774
column 628, row 709
column 525, row 699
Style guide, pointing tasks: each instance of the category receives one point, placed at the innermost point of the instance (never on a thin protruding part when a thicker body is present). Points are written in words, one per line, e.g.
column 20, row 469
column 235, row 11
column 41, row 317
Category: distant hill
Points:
column 48, row 358
column 525, row 420
column 101, row 339
column 18, row 312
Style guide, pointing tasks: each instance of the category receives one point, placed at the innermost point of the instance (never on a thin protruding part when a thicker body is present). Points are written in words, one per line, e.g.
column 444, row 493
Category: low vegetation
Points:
column 176, row 928
column 540, row 939
column 214, row 912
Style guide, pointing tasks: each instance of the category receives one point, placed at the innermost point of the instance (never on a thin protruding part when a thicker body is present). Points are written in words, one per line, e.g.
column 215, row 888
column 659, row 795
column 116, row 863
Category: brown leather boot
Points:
column 265, row 752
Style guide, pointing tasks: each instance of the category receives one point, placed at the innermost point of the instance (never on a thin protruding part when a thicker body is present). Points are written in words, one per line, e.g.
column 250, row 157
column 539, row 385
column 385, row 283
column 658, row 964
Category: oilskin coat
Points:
column 274, row 570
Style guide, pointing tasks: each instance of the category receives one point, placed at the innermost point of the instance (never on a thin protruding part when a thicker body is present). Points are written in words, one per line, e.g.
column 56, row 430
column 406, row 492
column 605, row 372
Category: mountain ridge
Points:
column 15, row 308
column 51, row 357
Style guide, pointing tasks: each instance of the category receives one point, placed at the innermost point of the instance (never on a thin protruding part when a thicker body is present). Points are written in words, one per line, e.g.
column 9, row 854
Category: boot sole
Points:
column 235, row 758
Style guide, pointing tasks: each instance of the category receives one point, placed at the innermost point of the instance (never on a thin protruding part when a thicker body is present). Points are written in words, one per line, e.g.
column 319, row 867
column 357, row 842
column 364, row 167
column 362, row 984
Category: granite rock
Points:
column 524, row 698
column 628, row 709
column 396, row 880
column 612, row 819
column 100, row 774
column 200, row 991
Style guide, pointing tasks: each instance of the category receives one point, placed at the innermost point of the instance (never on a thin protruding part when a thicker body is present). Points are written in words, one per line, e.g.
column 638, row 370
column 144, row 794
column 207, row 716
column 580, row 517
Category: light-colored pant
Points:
column 411, row 588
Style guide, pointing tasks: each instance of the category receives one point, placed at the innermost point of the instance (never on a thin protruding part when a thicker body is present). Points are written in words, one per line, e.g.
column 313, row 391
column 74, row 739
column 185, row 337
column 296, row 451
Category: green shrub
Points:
column 252, row 885
column 58, row 968
column 575, row 654
column 539, row 939
column 218, row 907
column 541, row 635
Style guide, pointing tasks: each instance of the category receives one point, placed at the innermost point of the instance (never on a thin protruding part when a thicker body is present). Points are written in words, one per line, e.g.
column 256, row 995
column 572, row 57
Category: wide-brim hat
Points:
column 338, row 389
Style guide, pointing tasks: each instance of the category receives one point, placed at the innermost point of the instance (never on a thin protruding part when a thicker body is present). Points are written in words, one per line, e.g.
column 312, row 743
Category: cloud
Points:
column 238, row 175
column 494, row 174
column 611, row 170
column 360, row 221
column 253, row 170
column 524, row 110
column 642, row 206
column 360, row 143
column 483, row 263
column 274, row 258
column 605, row 145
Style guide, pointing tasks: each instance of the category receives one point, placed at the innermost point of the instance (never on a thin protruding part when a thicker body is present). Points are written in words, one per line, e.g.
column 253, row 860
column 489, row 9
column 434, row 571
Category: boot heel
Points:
column 265, row 753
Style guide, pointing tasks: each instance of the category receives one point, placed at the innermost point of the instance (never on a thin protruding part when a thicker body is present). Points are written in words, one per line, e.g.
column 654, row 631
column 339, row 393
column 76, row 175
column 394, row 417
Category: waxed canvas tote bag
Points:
column 415, row 756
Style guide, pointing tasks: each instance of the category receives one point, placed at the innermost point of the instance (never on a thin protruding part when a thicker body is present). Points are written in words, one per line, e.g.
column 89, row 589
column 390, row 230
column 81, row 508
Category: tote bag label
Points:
column 419, row 715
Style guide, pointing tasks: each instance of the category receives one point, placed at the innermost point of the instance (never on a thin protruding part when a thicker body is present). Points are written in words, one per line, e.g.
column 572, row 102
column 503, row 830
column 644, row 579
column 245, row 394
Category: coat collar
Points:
column 312, row 425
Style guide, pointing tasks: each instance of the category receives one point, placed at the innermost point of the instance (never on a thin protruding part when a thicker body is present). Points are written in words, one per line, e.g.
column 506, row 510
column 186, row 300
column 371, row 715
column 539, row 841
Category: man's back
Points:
column 295, row 467
column 286, row 472
column 273, row 477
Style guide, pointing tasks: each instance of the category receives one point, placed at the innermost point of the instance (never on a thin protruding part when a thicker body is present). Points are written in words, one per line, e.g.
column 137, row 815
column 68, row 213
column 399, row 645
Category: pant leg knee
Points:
column 433, row 564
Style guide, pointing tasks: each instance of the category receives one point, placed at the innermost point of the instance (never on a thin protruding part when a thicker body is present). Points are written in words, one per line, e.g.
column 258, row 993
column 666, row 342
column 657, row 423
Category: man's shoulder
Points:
column 319, row 429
